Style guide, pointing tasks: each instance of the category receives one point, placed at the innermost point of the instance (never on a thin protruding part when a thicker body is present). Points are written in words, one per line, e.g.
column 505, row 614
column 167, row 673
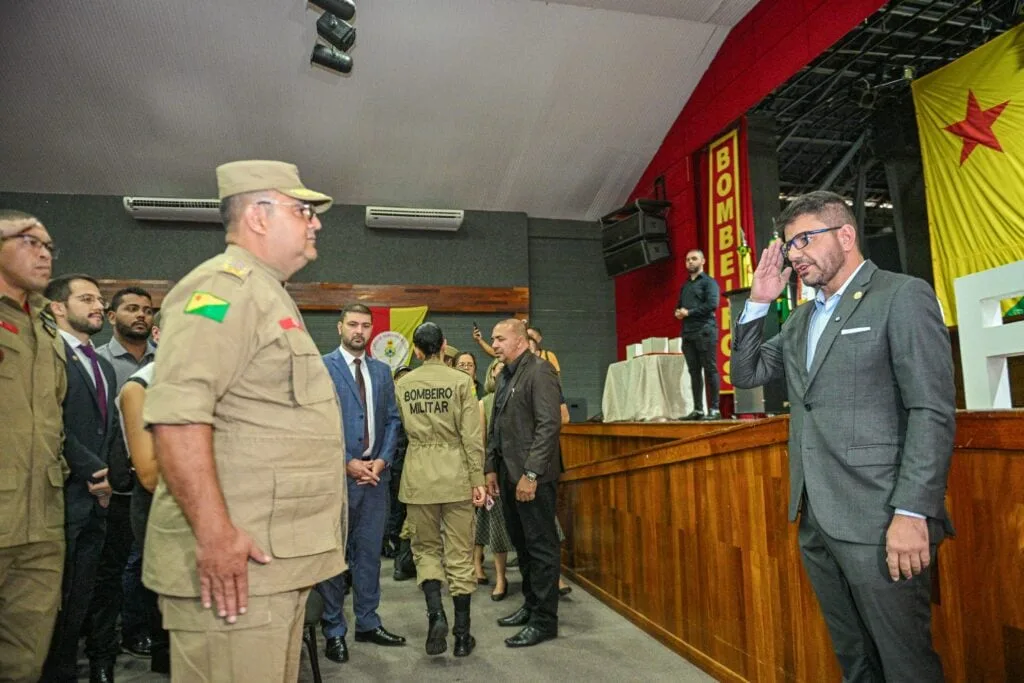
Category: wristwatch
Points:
column 532, row 476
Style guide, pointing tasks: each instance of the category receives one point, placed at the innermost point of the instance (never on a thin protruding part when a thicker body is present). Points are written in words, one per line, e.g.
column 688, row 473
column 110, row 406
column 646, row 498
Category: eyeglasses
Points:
column 466, row 366
column 35, row 243
column 90, row 299
column 305, row 209
column 803, row 239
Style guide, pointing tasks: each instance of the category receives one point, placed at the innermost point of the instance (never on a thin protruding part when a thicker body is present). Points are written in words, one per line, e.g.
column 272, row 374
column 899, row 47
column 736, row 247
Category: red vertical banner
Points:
column 728, row 217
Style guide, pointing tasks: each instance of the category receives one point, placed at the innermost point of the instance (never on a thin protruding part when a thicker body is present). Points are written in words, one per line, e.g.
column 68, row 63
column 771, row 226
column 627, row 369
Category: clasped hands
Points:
column 365, row 472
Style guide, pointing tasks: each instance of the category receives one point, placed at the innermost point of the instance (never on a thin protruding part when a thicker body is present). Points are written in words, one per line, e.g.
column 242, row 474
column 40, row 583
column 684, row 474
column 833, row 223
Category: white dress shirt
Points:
column 86, row 362
column 349, row 358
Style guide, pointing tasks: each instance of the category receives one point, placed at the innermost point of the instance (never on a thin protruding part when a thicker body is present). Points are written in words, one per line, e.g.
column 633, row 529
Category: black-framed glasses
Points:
column 35, row 243
column 305, row 208
column 803, row 239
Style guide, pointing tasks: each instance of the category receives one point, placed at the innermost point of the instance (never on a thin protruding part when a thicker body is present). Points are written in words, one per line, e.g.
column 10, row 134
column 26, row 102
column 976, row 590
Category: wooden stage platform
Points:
column 681, row 527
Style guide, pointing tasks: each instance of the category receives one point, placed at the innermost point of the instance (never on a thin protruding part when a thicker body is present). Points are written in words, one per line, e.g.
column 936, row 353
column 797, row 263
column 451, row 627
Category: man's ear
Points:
column 111, row 316
column 254, row 218
column 58, row 310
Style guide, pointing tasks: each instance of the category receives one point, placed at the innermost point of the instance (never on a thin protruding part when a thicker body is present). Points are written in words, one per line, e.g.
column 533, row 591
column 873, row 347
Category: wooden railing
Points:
column 688, row 538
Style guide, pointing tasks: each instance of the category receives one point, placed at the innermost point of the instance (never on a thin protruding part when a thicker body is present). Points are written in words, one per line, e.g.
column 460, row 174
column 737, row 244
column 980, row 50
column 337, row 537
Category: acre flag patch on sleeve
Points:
column 208, row 306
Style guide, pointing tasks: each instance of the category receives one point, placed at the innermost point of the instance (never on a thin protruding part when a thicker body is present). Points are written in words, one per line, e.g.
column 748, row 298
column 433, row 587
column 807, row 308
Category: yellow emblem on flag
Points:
column 970, row 118
column 208, row 306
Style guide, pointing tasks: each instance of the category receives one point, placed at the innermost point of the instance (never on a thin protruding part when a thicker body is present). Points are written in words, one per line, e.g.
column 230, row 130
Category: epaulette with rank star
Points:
column 49, row 322
column 236, row 268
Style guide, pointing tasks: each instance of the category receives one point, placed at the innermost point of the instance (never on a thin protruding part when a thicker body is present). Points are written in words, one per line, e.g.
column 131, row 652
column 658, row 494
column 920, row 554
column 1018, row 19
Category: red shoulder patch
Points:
column 10, row 327
column 289, row 324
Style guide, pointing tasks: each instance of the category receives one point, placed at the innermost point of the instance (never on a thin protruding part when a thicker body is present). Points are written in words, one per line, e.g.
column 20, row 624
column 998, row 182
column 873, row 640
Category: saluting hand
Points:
column 492, row 484
column 479, row 496
column 222, row 560
column 770, row 278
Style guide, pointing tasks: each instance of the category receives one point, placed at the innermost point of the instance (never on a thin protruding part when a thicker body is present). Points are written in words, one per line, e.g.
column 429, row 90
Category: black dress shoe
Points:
column 695, row 415
column 141, row 646
column 400, row 575
column 101, row 673
column 379, row 636
column 336, row 649
column 529, row 636
column 714, row 414
column 564, row 591
column 518, row 618
column 389, row 551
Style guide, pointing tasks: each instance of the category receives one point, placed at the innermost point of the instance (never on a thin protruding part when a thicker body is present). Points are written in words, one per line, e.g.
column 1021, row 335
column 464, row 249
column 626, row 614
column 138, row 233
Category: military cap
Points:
column 238, row 177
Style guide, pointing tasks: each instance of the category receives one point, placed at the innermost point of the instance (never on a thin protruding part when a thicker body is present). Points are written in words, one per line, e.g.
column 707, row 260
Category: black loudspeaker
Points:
column 635, row 255
column 632, row 228
column 577, row 409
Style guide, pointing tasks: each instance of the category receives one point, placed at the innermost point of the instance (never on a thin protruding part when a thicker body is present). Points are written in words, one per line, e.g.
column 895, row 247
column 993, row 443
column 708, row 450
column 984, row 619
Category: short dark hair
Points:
column 119, row 295
column 429, row 339
column 535, row 329
column 355, row 308
column 826, row 206
column 402, row 371
column 59, row 288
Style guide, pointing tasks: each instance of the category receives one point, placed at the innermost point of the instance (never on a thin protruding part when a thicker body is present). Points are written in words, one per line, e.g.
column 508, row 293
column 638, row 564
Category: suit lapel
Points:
column 342, row 371
column 85, row 374
column 803, row 324
column 498, row 408
column 847, row 305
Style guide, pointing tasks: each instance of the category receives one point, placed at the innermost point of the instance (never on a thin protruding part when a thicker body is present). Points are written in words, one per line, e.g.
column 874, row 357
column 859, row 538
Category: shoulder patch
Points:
column 208, row 306
column 49, row 322
column 236, row 268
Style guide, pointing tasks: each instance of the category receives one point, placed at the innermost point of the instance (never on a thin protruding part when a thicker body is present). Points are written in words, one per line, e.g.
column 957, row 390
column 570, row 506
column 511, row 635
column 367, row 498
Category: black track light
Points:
column 335, row 31
column 329, row 58
column 343, row 9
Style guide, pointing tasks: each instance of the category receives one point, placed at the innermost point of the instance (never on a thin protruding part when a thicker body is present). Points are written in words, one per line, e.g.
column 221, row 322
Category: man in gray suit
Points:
column 870, row 377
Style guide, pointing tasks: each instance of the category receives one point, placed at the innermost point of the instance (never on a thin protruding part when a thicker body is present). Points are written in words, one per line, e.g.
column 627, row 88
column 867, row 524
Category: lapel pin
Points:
column 857, row 295
column 838, row 318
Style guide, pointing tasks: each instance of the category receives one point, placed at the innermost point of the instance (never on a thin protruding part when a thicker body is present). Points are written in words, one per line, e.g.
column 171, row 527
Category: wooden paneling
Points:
column 331, row 296
column 689, row 539
column 583, row 444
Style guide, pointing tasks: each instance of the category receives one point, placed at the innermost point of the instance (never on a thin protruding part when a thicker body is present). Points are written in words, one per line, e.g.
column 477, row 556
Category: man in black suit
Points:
column 91, row 431
column 522, row 466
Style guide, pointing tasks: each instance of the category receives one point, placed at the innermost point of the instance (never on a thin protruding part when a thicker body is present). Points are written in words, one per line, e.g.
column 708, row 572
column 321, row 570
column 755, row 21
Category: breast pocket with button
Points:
column 311, row 382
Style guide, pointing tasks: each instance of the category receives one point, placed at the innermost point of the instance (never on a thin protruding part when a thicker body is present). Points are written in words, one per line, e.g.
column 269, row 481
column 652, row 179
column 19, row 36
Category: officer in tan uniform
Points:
column 32, row 383
column 249, row 509
column 442, row 481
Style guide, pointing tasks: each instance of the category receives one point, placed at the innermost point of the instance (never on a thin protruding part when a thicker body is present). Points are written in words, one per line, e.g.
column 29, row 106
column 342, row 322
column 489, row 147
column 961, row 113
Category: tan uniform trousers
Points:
column 265, row 644
column 444, row 530
column 30, row 581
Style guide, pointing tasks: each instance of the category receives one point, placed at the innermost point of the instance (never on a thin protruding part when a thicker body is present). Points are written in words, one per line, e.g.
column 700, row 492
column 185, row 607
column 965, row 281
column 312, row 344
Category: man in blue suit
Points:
column 371, row 424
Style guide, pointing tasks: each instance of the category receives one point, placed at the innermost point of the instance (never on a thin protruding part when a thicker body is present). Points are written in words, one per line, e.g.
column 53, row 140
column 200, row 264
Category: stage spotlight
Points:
column 332, row 59
column 343, row 9
column 335, row 31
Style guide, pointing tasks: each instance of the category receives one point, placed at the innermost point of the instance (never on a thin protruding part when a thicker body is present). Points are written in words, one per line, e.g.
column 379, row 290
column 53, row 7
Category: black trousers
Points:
column 84, row 548
column 700, row 349
column 531, row 526
column 880, row 629
column 102, row 642
column 396, row 511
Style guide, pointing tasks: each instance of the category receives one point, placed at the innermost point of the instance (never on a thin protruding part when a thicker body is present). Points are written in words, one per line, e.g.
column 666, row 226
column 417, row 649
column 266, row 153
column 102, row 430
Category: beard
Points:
column 356, row 343
column 823, row 269
column 84, row 325
column 129, row 332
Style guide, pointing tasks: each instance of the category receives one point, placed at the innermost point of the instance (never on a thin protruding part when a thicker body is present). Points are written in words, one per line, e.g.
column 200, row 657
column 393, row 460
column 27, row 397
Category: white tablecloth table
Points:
column 647, row 388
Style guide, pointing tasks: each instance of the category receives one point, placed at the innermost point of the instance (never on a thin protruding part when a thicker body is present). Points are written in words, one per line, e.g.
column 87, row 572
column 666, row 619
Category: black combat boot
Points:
column 437, row 622
column 464, row 642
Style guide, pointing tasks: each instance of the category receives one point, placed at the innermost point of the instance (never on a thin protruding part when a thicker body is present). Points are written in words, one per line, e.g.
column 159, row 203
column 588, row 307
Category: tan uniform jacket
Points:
column 442, row 419
column 234, row 353
column 33, row 381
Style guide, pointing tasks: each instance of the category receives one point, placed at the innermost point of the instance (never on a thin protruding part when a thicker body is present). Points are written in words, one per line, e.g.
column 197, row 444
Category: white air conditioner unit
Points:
column 159, row 209
column 414, row 219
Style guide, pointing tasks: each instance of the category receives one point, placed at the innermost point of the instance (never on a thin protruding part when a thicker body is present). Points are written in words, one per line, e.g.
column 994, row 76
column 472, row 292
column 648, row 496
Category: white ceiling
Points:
column 553, row 109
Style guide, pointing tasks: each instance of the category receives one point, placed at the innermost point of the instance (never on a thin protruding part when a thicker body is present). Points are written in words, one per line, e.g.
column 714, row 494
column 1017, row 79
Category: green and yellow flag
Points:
column 208, row 306
column 970, row 117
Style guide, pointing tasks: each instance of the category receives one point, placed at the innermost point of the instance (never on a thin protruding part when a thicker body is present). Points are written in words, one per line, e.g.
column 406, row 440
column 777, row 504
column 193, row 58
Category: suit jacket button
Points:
column 807, row 407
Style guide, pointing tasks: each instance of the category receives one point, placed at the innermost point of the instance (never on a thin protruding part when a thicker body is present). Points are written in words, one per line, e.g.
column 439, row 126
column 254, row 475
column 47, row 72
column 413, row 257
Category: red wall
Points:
column 769, row 45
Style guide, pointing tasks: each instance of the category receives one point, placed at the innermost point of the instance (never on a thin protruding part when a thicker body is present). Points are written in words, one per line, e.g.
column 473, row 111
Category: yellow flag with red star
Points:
column 970, row 118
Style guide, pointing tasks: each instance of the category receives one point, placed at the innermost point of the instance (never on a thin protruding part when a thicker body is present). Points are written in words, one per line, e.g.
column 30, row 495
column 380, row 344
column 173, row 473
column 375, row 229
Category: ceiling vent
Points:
column 414, row 219
column 187, row 210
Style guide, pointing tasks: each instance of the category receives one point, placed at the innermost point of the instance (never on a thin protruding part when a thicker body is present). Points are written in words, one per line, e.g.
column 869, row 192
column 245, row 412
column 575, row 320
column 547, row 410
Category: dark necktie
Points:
column 362, row 397
column 97, row 373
